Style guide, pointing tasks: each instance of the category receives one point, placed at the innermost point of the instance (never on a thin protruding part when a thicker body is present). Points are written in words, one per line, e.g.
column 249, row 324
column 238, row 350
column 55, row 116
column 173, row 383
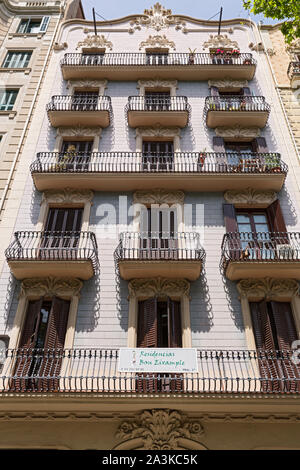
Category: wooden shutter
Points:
column 147, row 338
column 218, row 144
column 260, row 145
column 214, row 91
column 174, row 381
column 31, row 324
column 276, row 217
column 231, row 226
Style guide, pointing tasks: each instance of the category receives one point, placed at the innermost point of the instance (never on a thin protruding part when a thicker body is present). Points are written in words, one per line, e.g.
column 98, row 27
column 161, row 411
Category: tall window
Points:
column 158, row 155
column 17, row 59
column 33, row 25
column 7, row 99
column 158, row 233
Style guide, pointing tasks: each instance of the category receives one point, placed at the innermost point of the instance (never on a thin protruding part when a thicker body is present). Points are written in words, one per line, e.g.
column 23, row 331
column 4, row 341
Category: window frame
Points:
column 8, row 65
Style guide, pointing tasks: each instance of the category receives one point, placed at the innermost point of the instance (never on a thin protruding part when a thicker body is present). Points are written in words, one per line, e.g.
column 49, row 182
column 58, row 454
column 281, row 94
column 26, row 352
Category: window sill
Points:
column 11, row 114
column 25, row 70
column 25, row 35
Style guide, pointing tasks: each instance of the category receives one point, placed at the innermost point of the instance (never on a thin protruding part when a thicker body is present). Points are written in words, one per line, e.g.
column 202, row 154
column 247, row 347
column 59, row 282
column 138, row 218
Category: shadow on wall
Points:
column 200, row 305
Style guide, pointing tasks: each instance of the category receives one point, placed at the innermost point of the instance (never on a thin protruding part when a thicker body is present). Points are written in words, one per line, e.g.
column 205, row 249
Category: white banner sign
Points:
column 158, row 360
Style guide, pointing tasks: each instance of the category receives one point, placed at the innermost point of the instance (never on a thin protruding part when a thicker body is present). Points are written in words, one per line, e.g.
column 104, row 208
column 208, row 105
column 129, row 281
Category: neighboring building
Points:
column 159, row 208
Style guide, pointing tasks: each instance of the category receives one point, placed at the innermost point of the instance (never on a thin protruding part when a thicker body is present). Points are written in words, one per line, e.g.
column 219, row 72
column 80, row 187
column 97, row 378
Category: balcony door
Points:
column 159, row 326
column 75, row 155
column 157, row 100
column 157, row 58
column 274, row 331
column 85, row 101
column 159, row 239
column 158, row 155
column 254, row 229
column 40, row 353
column 62, row 234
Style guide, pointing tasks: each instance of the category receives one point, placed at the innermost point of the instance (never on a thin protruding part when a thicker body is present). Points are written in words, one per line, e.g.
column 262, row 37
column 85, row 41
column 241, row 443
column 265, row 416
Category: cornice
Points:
column 32, row 7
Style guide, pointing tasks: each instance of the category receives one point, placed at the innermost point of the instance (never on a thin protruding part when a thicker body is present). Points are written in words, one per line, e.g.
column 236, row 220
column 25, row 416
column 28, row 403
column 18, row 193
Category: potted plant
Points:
column 66, row 159
column 272, row 162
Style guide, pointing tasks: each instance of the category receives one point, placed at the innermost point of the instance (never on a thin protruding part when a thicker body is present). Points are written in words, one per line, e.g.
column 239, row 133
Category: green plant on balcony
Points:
column 272, row 163
column 66, row 159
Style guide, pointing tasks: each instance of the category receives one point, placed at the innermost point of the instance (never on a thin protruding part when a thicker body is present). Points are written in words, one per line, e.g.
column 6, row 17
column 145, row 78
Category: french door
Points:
column 62, row 233
column 85, row 101
column 158, row 156
column 255, row 238
column 157, row 58
column 157, row 100
column 159, row 239
column 75, row 155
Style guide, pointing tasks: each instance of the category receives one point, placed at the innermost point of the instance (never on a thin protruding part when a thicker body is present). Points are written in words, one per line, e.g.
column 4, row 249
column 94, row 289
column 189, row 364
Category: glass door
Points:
column 158, row 156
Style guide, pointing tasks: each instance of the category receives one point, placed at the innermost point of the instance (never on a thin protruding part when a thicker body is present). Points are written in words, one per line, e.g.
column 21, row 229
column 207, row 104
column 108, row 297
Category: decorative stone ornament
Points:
column 161, row 429
column 64, row 288
column 78, row 131
column 156, row 17
column 158, row 196
column 157, row 41
column 147, row 288
column 157, row 131
column 95, row 42
column 220, row 41
column 268, row 288
column 250, row 198
column 237, row 132
column 68, row 196
column 228, row 83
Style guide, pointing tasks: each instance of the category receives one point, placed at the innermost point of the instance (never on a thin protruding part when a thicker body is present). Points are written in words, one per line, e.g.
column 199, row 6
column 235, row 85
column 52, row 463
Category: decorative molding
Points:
column 147, row 288
column 156, row 17
column 95, row 42
column 268, row 288
column 162, row 429
column 65, row 288
column 259, row 47
column 158, row 41
column 158, row 196
column 237, row 132
column 250, row 198
column 293, row 48
column 157, row 83
column 220, row 41
column 228, row 83
column 157, row 131
column 79, row 131
column 101, row 84
column 68, row 196
column 60, row 46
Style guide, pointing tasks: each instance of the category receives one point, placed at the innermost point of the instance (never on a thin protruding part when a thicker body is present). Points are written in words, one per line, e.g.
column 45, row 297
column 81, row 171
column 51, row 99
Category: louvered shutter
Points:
column 278, row 227
column 231, row 226
column 26, row 345
column 260, row 145
column 286, row 334
column 54, row 344
column 220, row 161
column 174, row 381
column 218, row 144
column 147, row 338
column 267, row 360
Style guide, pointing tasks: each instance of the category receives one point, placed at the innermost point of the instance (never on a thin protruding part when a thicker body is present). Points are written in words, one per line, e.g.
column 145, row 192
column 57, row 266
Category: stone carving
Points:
column 157, row 41
column 156, row 83
column 161, row 430
column 220, row 41
column 101, row 84
column 65, row 288
column 158, row 196
column 157, row 17
column 60, row 46
column 268, row 288
column 95, row 42
column 157, row 131
column 259, row 47
column 67, row 196
column 228, row 83
column 147, row 288
column 237, row 132
column 79, row 131
column 250, row 197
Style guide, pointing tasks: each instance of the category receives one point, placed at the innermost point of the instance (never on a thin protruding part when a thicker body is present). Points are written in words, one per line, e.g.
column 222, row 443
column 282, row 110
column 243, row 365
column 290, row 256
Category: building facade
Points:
column 159, row 209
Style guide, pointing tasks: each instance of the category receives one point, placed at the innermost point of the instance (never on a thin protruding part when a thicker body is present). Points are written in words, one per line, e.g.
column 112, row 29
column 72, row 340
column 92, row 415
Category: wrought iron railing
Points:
column 158, row 103
column 79, row 103
column 142, row 59
column 53, row 246
column 240, row 372
column 293, row 69
column 164, row 245
column 183, row 162
column 236, row 103
column 260, row 247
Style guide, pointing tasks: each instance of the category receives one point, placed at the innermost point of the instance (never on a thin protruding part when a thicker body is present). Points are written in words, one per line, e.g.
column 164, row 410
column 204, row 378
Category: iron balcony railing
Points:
column 236, row 103
column 79, row 103
column 164, row 245
column 261, row 247
column 158, row 103
column 142, row 59
column 183, row 162
column 219, row 372
column 293, row 69
column 53, row 246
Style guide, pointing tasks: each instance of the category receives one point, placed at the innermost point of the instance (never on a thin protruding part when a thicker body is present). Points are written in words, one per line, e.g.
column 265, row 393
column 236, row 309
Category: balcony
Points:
column 220, row 372
column 294, row 74
column 135, row 66
column 67, row 110
column 151, row 110
column 163, row 254
column 128, row 171
column 245, row 111
column 59, row 254
column 269, row 254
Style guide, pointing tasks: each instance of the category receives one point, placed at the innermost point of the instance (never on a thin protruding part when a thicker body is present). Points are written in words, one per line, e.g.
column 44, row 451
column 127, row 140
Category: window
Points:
column 75, row 155
column 85, row 101
column 274, row 332
column 159, row 326
column 256, row 240
column 92, row 58
column 158, row 233
column 7, row 99
column 33, row 25
column 17, row 59
column 157, row 58
column 41, row 345
column 158, row 155
column 157, row 100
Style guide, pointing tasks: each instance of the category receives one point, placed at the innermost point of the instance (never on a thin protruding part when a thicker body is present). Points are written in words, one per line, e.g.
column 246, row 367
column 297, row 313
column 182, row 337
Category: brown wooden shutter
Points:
column 218, row 144
column 276, row 217
column 175, row 381
column 260, row 145
column 31, row 323
column 230, row 218
column 214, row 91
column 147, row 338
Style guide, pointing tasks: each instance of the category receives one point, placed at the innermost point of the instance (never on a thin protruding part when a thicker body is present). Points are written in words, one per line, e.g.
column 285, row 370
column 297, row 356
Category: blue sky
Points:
column 202, row 9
